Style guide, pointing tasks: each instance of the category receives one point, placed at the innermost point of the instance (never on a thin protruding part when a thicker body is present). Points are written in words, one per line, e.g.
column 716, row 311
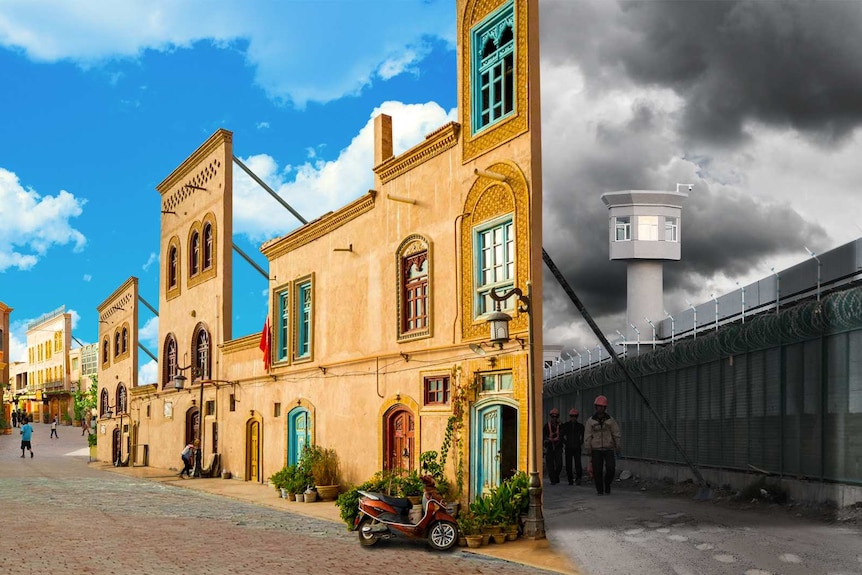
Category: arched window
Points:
column 125, row 340
column 194, row 254
column 414, row 287
column 106, row 354
column 169, row 360
column 208, row 246
column 201, row 352
column 173, row 259
column 103, row 403
column 122, row 406
column 116, row 344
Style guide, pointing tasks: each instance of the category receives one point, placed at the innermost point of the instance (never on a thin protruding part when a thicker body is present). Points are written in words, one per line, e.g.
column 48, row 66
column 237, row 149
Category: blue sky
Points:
column 99, row 105
column 757, row 104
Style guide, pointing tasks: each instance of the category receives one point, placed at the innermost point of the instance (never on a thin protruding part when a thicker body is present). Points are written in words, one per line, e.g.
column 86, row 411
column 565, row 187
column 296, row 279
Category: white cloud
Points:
column 32, row 224
column 18, row 340
column 87, row 277
column 153, row 257
column 262, row 125
column 352, row 42
column 320, row 186
column 148, row 373
column 149, row 334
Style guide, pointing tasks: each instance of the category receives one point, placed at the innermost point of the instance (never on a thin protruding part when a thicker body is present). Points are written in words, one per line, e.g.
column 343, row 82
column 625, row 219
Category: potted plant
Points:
column 411, row 487
column 468, row 528
column 91, row 441
column 281, row 479
column 326, row 472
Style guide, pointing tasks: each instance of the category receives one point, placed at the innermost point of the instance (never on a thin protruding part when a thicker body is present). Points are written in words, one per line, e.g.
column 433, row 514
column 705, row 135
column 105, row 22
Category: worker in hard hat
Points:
column 602, row 439
column 573, row 438
column 552, row 439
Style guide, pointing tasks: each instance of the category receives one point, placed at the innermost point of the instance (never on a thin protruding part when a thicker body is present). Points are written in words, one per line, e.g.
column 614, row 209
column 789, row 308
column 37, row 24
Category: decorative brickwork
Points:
column 518, row 122
column 487, row 200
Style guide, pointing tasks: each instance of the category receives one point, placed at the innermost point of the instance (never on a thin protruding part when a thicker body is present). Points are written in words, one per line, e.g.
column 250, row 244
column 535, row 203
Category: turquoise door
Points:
column 299, row 434
column 488, row 472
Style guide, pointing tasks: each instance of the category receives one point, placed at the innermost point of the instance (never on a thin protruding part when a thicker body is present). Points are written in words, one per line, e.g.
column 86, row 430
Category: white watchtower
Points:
column 644, row 231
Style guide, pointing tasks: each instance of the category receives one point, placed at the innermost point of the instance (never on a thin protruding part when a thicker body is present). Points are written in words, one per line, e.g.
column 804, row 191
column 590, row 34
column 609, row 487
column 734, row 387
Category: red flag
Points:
column 266, row 345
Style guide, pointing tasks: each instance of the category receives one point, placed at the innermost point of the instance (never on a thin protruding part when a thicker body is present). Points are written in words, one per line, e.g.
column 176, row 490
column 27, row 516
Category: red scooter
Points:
column 380, row 514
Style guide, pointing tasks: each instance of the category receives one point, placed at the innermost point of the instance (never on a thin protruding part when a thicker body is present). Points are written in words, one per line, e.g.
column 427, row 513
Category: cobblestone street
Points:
column 65, row 515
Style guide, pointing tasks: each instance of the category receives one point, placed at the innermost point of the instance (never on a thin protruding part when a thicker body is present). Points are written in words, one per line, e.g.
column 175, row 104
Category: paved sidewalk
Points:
column 539, row 554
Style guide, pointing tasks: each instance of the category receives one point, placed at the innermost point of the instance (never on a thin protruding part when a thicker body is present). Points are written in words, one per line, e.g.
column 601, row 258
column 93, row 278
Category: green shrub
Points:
column 92, row 439
column 386, row 482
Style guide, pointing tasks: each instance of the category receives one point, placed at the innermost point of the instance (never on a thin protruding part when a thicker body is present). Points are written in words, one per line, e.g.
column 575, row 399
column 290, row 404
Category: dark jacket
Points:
column 573, row 434
column 552, row 435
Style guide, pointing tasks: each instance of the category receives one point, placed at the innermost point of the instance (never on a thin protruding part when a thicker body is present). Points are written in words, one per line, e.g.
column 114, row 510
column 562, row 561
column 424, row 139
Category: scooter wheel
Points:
column 367, row 539
column 442, row 535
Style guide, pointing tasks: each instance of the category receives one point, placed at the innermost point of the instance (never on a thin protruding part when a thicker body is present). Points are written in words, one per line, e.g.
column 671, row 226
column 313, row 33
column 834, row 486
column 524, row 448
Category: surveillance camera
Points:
column 689, row 187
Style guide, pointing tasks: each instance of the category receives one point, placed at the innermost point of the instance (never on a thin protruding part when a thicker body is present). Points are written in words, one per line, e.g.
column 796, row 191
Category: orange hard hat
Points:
column 555, row 411
column 573, row 411
column 601, row 400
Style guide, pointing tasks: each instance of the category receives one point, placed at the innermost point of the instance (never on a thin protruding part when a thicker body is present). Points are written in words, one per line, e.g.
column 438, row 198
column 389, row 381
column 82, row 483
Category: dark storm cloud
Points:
column 794, row 63
column 787, row 64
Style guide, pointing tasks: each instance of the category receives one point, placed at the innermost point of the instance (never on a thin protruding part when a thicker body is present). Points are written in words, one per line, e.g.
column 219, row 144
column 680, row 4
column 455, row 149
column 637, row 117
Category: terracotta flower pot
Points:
column 474, row 541
column 327, row 492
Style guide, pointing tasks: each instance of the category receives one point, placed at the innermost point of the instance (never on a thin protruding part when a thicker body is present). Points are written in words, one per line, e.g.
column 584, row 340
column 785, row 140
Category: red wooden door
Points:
column 399, row 440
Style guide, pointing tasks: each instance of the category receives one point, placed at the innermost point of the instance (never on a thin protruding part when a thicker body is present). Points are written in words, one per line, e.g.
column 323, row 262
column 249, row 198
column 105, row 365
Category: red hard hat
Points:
column 573, row 411
column 601, row 400
column 555, row 411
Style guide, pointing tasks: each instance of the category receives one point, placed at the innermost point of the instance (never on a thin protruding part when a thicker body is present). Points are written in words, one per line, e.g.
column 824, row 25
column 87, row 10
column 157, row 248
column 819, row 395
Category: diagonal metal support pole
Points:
column 148, row 352
column 146, row 303
column 263, row 185
column 247, row 258
column 607, row 345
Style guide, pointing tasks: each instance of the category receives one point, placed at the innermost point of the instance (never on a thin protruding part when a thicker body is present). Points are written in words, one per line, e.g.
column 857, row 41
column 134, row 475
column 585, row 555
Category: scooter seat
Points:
column 397, row 502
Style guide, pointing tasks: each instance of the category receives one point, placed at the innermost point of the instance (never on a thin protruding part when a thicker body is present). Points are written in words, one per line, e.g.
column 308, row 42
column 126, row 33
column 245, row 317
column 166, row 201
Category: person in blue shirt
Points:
column 26, row 435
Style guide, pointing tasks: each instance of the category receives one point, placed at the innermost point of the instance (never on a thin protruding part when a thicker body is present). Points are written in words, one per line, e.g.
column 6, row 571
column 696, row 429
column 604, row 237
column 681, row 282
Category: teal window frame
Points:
column 282, row 332
column 493, row 74
column 303, row 319
column 491, row 257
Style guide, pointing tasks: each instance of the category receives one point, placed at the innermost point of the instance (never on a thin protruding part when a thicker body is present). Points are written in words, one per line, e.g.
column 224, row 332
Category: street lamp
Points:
column 813, row 255
column 652, row 325
column 742, row 288
column 638, row 332
column 672, row 326
column 534, row 526
column 694, row 309
column 777, row 288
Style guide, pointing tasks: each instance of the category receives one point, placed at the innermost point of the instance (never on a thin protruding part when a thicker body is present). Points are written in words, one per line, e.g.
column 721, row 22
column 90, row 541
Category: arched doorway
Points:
column 298, row 433
column 115, row 446
column 399, row 441
column 252, row 450
column 193, row 424
column 494, row 441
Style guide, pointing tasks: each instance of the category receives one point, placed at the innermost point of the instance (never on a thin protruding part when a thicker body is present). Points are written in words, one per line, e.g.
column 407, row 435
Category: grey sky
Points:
column 757, row 104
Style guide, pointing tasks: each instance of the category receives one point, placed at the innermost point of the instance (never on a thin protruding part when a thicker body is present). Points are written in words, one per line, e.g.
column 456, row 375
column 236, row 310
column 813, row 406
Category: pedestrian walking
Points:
column 85, row 426
column 26, row 437
column 54, row 429
column 187, row 455
column 14, row 419
column 553, row 441
column 602, row 439
column 573, row 438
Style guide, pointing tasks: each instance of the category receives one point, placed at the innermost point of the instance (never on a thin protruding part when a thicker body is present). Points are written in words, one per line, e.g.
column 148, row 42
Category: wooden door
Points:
column 253, row 452
column 489, row 446
column 299, row 434
column 400, row 440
